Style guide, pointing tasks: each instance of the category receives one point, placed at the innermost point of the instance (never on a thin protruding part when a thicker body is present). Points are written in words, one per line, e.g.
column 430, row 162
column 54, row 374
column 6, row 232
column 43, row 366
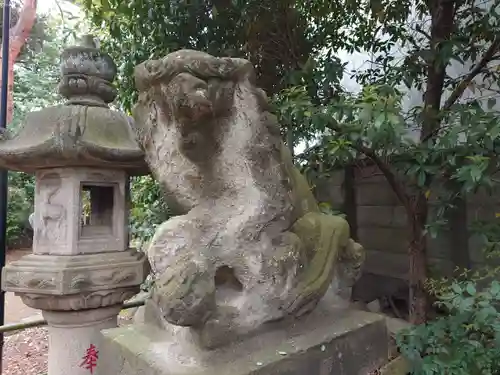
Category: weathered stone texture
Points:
column 250, row 244
column 323, row 343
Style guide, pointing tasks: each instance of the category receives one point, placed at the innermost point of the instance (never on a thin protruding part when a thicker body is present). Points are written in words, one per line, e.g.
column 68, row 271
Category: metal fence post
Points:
column 3, row 172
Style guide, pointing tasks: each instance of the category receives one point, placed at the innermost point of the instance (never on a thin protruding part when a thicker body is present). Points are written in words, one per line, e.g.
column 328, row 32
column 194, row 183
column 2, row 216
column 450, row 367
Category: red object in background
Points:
column 90, row 359
column 19, row 34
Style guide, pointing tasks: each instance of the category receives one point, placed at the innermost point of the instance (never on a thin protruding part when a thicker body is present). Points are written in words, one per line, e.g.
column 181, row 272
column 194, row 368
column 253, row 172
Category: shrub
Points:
column 465, row 342
column 19, row 207
column 148, row 209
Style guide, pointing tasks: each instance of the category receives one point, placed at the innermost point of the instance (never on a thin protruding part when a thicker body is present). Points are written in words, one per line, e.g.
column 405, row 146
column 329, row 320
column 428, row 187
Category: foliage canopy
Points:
column 444, row 143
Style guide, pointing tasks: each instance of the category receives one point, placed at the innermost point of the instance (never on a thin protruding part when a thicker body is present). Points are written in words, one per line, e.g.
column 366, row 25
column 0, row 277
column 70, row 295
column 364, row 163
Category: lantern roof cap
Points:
column 83, row 131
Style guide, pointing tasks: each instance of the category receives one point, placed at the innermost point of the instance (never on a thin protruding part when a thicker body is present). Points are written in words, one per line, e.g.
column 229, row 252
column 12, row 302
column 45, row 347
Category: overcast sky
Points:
column 46, row 6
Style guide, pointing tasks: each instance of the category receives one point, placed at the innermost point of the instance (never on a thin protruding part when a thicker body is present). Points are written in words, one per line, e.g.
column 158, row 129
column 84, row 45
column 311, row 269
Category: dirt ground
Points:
column 24, row 352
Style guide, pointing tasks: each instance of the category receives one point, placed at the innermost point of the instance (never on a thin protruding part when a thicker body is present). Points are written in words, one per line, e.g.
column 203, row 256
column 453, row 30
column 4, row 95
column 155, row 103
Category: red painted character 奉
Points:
column 90, row 359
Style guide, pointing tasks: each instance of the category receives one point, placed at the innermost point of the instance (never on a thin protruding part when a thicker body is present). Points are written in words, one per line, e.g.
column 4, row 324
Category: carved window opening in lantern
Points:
column 97, row 209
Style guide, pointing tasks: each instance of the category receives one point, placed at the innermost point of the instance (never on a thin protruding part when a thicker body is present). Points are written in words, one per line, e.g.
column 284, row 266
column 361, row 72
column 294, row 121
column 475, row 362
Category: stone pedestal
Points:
column 75, row 341
column 326, row 342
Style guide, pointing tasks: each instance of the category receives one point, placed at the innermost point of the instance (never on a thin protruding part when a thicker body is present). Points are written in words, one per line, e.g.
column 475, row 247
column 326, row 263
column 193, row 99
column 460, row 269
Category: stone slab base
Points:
column 345, row 342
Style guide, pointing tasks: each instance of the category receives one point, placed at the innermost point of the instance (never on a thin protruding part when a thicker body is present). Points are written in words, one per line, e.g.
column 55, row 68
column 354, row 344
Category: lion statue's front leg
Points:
column 330, row 251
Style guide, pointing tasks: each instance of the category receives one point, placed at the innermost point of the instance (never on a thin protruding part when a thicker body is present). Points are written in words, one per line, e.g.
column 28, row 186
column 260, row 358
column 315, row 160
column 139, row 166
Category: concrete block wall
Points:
column 383, row 229
column 330, row 190
column 481, row 207
column 381, row 225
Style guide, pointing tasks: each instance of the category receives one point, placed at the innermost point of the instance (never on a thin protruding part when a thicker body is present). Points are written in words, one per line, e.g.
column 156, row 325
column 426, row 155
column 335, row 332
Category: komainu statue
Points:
column 249, row 244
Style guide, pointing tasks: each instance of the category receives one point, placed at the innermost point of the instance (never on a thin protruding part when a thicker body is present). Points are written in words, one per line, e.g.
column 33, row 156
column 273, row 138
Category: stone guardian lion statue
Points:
column 249, row 244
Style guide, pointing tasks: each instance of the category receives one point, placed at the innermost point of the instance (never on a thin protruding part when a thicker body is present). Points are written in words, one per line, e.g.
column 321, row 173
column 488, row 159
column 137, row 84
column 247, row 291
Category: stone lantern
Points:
column 81, row 269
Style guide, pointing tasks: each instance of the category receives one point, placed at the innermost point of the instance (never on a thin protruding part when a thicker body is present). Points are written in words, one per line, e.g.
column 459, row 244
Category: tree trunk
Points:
column 418, row 262
column 18, row 36
column 442, row 15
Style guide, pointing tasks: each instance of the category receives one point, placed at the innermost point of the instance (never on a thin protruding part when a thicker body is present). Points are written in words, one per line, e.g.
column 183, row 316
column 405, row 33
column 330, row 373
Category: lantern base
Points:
column 52, row 282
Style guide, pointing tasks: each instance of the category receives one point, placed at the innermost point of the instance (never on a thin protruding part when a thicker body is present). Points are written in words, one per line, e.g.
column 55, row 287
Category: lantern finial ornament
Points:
column 83, row 131
column 87, row 74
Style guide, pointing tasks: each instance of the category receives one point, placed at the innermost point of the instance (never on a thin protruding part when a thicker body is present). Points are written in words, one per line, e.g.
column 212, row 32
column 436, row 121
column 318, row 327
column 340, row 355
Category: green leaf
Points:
column 495, row 289
column 421, row 178
column 471, row 289
column 466, row 304
column 475, row 173
column 456, row 288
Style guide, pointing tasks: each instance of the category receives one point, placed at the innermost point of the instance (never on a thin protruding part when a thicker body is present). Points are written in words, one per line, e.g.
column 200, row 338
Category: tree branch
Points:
column 423, row 32
column 488, row 56
column 395, row 184
column 60, row 11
